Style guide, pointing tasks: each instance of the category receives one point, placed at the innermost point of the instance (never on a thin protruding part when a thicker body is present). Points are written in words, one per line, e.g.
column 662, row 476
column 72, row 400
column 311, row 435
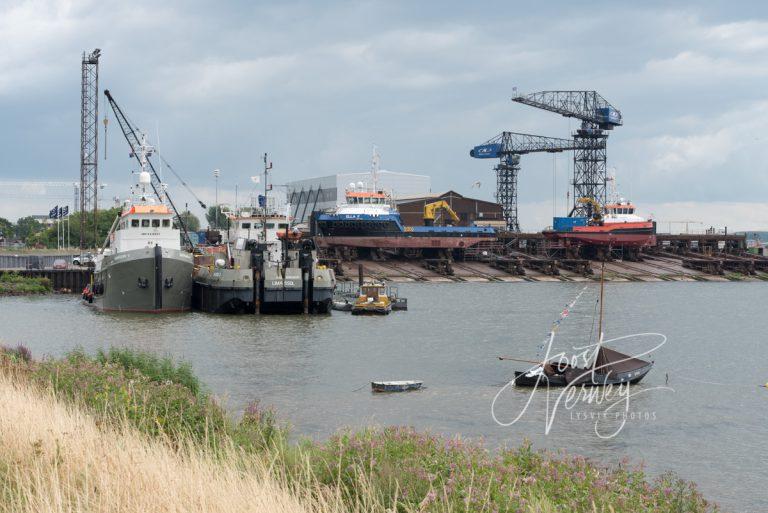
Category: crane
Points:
column 431, row 209
column 131, row 136
column 597, row 116
column 507, row 147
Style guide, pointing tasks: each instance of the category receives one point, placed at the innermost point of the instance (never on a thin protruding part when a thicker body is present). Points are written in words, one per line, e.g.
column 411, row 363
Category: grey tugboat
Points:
column 143, row 267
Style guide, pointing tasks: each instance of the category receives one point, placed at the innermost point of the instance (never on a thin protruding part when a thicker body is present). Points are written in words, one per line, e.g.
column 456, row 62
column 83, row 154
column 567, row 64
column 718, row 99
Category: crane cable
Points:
column 178, row 177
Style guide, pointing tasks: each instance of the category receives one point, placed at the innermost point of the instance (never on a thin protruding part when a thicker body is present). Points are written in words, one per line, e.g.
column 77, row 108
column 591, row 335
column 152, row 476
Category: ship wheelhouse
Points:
column 144, row 226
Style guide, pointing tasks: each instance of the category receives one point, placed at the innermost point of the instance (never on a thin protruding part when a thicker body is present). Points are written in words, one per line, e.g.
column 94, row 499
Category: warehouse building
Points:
column 470, row 210
column 324, row 192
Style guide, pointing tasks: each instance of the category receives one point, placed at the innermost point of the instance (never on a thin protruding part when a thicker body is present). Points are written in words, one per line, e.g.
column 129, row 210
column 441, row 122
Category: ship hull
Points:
column 584, row 378
column 152, row 280
column 217, row 298
column 386, row 231
column 399, row 241
column 634, row 234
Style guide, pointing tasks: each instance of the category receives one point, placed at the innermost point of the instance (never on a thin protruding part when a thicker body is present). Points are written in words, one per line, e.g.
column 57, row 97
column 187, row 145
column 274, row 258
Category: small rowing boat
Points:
column 395, row 386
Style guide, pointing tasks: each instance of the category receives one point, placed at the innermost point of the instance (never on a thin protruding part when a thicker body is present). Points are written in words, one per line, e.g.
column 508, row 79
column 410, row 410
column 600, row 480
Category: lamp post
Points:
column 216, row 173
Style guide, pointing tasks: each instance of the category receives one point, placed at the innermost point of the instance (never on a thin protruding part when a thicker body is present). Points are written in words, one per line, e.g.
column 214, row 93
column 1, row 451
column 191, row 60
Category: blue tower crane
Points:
column 589, row 159
column 507, row 147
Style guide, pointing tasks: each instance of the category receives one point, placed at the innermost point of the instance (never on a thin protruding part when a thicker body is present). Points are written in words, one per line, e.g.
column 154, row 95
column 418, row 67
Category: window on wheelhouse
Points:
column 155, row 223
column 246, row 226
column 145, row 223
column 166, row 223
column 134, row 223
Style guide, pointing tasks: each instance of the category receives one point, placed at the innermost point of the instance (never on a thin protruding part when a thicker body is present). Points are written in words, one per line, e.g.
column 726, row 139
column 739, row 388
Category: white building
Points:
column 324, row 192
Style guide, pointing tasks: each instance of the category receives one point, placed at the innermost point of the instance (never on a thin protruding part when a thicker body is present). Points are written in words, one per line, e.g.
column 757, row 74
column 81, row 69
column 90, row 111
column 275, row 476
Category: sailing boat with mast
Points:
column 608, row 366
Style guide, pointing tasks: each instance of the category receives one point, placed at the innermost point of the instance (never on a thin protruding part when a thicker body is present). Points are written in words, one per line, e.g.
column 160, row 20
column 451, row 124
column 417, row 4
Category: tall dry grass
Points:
column 55, row 458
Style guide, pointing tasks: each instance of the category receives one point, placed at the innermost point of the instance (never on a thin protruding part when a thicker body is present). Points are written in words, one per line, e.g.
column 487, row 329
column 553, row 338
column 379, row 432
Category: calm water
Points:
column 316, row 370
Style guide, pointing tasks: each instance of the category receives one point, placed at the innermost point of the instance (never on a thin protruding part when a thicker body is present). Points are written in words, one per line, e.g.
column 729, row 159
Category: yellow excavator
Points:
column 431, row 210
column 596, row 210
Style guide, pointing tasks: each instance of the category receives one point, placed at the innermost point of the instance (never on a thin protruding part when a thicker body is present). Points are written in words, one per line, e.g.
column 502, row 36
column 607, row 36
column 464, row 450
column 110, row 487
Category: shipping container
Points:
column 566, row 224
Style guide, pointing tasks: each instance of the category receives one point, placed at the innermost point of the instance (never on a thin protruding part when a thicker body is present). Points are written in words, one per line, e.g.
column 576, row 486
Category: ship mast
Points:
column 267, row 167
column 600, row 319
column 375, row 162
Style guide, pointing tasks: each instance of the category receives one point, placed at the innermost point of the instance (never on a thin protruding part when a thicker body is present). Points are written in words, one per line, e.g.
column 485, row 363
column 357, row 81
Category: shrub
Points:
column 416, row 471
column 157, row 369
column 15, row 284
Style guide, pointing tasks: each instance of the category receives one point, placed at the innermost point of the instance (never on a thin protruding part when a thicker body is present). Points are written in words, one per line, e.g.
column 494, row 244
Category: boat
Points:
column 617, row 224
column 223, row 272
column 264, row 265
column 222, row 280
column 395, row 386
column 373, row 300
column 342, row 305
column 369, row 219
column 142, row 266
column 608, row 366
column 295, row 281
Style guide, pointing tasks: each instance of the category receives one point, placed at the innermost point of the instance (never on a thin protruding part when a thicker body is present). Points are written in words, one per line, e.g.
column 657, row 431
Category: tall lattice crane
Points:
column 589, row 159
column 507, row 147
column 89, row 136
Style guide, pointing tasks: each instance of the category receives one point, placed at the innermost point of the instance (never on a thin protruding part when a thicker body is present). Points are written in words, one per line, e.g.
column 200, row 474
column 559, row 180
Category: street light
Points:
column 216, row 173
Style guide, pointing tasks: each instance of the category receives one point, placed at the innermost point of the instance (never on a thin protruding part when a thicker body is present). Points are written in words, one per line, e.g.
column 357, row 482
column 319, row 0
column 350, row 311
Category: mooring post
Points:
column 360, row 275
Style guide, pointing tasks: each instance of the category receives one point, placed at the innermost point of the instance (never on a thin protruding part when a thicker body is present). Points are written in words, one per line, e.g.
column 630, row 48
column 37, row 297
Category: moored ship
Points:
column 223, row 276
column 143, row 268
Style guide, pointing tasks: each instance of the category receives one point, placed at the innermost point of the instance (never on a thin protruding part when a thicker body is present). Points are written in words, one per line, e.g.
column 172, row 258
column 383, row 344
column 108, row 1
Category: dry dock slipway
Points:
column 517, row 257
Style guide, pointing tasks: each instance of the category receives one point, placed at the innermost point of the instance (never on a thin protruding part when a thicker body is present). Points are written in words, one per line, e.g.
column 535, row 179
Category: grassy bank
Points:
column 13, row 284
column 86, row 432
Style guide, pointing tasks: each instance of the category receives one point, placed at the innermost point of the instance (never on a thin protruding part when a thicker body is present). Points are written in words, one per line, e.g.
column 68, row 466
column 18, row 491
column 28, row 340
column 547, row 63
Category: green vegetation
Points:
column 13, row 284
column 33, row 233
column 383, row 469
column 190, row 221
column 216, row 219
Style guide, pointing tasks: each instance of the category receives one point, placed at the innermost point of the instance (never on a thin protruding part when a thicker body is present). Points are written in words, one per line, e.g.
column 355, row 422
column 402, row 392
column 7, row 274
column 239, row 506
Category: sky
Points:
column 316, row 84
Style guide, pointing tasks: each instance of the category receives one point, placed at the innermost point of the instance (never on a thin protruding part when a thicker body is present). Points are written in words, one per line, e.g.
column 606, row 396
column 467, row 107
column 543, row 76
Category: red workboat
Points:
column 615, row 225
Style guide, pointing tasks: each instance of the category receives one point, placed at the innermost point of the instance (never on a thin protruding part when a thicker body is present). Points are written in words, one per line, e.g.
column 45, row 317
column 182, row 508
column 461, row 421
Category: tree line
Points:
column 33, row 233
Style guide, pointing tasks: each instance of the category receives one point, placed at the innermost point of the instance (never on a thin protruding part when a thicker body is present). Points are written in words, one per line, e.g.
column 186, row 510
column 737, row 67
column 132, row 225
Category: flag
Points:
column 64, row 211
column 256, row 179
column 262, row 201
column 53, row 212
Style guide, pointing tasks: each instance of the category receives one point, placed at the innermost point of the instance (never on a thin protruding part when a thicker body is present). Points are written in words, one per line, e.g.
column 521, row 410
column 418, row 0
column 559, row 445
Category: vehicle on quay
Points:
column 84, row 259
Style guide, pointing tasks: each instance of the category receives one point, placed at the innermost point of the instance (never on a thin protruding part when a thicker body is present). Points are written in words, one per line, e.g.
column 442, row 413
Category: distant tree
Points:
column 27, row 226
column 104, row 220
column 216, row 222
column 46, row 238
column 190, row 220
column 6, row 229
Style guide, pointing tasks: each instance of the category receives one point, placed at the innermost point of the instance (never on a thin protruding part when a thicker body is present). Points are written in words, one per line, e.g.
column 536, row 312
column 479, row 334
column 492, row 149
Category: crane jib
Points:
column 133, row 141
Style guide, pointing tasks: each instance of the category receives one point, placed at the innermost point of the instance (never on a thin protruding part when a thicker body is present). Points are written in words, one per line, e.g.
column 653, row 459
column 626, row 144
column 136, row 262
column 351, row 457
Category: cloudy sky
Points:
column 316, row 84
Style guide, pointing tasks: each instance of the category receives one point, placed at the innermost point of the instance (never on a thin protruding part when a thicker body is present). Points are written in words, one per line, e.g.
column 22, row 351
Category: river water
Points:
column 700, row 412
